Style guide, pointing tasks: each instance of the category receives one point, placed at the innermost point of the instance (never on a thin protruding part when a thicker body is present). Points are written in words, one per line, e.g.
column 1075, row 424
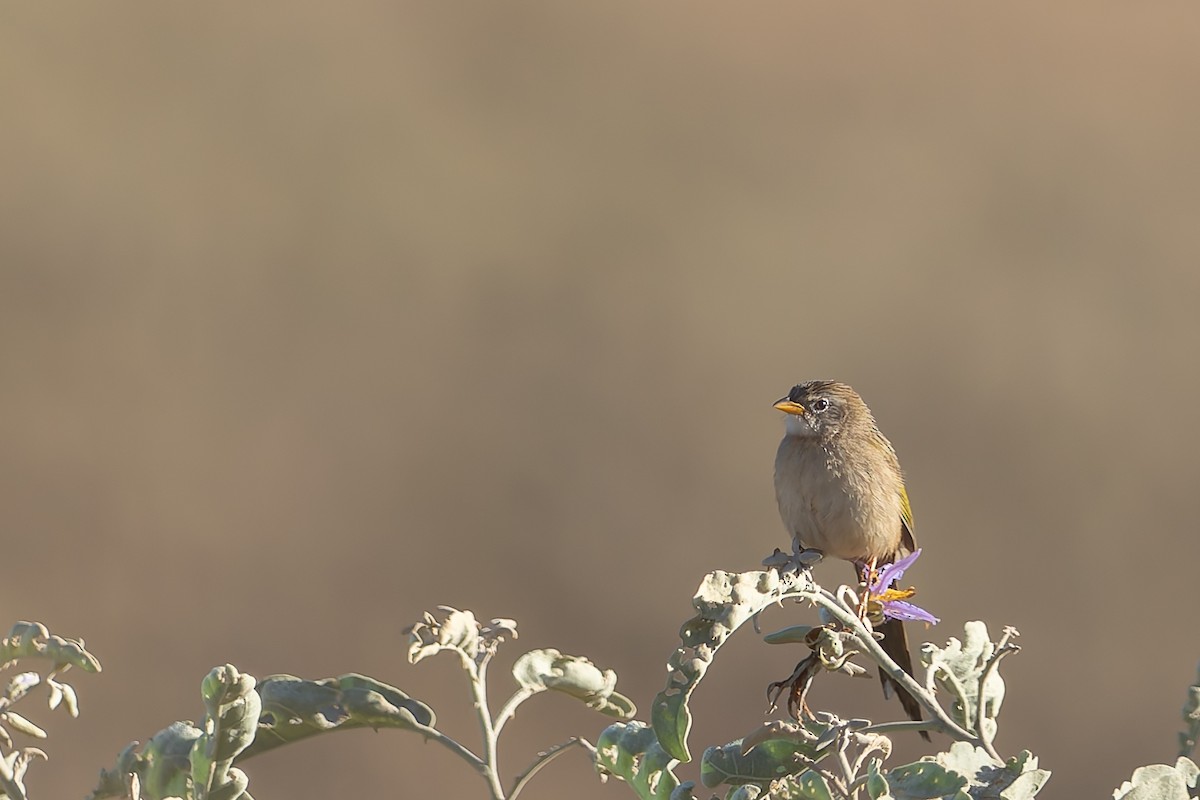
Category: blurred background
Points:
column 314, row 317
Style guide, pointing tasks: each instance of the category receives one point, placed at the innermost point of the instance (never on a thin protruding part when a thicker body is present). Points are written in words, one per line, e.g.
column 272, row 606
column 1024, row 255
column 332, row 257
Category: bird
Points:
column 841, row 492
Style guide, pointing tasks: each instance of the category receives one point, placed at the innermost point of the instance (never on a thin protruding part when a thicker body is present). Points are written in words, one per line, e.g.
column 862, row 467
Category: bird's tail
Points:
column 895, row 644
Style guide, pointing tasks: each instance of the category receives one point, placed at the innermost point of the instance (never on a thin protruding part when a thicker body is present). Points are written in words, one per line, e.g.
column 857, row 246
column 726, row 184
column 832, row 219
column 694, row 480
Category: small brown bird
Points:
column 840, row 491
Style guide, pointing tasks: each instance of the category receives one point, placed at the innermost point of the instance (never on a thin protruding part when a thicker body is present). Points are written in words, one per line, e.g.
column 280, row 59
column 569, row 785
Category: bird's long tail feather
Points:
column 895, row 644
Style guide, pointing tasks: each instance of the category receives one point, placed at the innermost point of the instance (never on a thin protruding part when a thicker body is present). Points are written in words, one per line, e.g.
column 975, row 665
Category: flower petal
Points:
column 893, row 572
column 902, row 609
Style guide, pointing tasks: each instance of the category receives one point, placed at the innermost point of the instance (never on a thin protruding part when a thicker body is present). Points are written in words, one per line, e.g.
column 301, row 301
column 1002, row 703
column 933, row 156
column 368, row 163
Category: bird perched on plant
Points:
column 840, row 491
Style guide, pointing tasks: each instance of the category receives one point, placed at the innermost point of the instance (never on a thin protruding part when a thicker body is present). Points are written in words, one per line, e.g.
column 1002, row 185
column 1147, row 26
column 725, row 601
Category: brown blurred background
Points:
column 316, row 316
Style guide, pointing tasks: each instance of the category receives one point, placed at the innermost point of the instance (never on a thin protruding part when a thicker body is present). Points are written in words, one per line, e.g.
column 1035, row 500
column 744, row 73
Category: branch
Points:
column 545, row 758
column 477, row 676
column 852, row 623
column 510, row 708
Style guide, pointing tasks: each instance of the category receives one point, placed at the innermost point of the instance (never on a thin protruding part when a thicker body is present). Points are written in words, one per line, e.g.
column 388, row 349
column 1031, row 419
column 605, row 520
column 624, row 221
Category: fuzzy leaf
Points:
column 20, row 684
column 959, row 665
column 539, row 670
column 295, row 709
column 164, row 765
column 968, row 772
column 1160, row 782
column 923, row 780
column 808, row 785
column 792, row 634
column 630, row 752
column 456, row 630
column 724, row 602
column 230, row 726
column 1027, row 779
column 21, row 724
column 69, row 698
column 767, row 761
column 33, row 640
column 12, row 772
column 877, row 785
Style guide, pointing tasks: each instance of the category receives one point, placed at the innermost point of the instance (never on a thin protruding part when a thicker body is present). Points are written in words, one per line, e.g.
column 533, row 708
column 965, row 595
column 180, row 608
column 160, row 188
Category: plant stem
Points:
column 960, row 691
column 844, row 763
column 478, row 680
column 543, row 759
column 906, row 725
column 851, row 622
column 454, row 747
column 1003, row 648
column 510, row 708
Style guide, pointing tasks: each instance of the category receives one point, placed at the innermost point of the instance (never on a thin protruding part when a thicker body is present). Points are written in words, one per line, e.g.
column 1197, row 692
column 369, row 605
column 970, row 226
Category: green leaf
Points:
column 808, row 785
column 246, row 718
column 923, row 780
column 56, row 694
column 629, row 751
column 1189, row 770
column 1026, row 785
column 724, row 602
column 184, row 760
column 114, row 782
column 164, row 765
column 1027, row 779
column 233, row 711
column 12, row 772
column 295, row 709
column 793, row 634
column 457, row 631
column 877, row 785
column 765, row 762
column 33, row 640
column 1159, row 782
column 231, row 724
column 539, row 670
column 21, row 724
column 232, row 788
column 969, row 761
column 20, row 684
column 966, row 771
column 958, row 668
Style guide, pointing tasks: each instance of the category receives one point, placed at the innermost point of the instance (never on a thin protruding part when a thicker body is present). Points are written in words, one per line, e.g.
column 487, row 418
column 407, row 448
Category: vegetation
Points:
column 814, row 755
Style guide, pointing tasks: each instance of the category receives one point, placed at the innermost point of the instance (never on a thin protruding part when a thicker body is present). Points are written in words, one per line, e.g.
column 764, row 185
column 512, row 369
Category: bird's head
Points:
column 822, row 409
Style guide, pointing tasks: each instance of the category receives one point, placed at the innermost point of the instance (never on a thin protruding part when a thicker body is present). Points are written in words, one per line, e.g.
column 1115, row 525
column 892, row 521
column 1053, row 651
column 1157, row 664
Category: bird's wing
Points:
column 908, row 542
column 906, row 522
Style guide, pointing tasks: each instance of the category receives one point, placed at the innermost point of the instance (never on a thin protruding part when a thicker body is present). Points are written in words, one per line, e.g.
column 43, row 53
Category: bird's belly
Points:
column 836, row 531
column 827, row 512
column 846, row 539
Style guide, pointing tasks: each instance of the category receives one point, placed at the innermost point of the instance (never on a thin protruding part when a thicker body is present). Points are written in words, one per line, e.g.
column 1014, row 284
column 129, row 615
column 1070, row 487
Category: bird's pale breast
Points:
column 846, row 509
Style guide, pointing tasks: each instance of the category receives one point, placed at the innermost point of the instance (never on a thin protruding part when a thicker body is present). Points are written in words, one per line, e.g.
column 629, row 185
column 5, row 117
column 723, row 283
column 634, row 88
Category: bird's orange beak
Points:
column 789, row 407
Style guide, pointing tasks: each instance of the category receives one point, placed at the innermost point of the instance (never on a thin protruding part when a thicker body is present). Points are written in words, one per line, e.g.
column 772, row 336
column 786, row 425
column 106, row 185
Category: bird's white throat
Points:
column 797, row 426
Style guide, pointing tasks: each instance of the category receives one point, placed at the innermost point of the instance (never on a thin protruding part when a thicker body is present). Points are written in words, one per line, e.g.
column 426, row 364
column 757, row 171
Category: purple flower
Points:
column 894, row 602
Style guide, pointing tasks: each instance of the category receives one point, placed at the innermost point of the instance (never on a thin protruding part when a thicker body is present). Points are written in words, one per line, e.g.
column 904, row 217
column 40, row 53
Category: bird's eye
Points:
column 820, row 405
